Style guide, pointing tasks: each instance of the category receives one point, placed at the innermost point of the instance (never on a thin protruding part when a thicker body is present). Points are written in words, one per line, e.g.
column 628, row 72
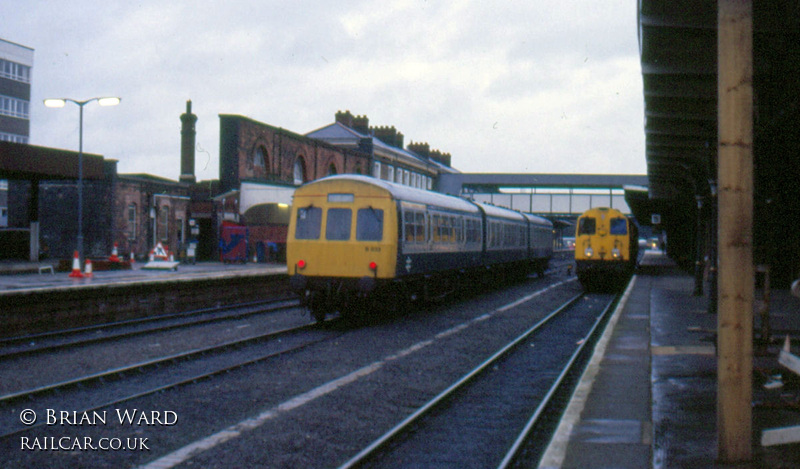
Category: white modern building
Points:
column 16, row 66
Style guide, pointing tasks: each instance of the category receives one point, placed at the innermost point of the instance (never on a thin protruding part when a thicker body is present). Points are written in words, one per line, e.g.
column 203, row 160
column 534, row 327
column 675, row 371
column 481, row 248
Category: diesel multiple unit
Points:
column 356, row 242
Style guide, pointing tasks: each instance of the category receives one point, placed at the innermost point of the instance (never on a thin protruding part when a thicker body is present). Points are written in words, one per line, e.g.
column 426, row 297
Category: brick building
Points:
column 260, row 166
column 149, row 210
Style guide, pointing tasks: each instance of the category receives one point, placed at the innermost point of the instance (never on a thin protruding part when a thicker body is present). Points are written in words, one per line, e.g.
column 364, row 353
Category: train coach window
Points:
column 419, row 222
column 473, row 231
column 337, row 228
column 619, row 226
column 587, row 226
column 369, row 224
column 436, row 227
column 448, row 236
column 494, row 235
column 408, row 226
column 308, row 223
column 414, row 226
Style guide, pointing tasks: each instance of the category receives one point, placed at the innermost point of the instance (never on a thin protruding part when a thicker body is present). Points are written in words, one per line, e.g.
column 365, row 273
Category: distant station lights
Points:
column 61, row 102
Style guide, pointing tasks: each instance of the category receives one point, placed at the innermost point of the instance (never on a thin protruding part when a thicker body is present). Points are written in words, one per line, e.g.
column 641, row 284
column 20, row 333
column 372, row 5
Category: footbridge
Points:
column 550, row 195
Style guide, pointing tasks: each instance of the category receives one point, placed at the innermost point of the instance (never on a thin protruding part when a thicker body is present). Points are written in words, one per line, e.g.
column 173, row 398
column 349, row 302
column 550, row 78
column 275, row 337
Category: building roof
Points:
column 22, row 161
column 339, row 134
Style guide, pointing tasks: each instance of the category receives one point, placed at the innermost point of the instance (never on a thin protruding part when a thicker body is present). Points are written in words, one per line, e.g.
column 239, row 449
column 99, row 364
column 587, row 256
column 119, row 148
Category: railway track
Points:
column 57, row 340
column 486, row 419
column 117, row 385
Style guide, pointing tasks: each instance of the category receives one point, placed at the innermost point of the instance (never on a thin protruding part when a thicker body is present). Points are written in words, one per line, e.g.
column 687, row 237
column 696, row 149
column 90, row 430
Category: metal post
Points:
column 33, row 220
column 698, row 262
column 80, row 182
column 61, row 102
column 736, row 277
column 712, row 250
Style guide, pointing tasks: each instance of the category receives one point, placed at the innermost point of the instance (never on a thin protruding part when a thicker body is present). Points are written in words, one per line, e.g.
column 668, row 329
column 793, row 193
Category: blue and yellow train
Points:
column 357, row 243
column 606, row 248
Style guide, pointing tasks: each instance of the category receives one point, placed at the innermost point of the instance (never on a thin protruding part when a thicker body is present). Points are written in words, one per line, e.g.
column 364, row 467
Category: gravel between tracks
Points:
column 328, row 429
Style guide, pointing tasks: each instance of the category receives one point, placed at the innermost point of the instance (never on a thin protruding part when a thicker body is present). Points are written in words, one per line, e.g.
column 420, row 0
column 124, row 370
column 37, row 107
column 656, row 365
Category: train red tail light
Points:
column 373, row 266
column 301, row 264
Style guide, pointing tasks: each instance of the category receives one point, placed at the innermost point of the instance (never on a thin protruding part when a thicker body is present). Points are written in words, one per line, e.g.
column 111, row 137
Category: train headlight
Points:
column 301, row 264
column 589, row 252
column 615, row 253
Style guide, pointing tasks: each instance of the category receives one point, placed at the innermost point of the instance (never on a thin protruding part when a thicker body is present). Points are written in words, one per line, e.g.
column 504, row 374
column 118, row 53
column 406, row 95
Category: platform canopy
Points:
column 678, row 48
column 21, row 161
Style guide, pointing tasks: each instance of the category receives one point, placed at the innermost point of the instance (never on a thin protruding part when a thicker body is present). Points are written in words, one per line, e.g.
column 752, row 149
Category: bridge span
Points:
column 555, row 195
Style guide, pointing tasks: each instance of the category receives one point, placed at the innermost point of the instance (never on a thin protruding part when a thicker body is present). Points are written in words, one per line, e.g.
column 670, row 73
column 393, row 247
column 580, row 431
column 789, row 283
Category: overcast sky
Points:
column 549, row 86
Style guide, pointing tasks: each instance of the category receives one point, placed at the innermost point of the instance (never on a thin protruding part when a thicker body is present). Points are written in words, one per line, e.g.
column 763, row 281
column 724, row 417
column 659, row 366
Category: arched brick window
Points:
column 300, row 175
column 260, row 157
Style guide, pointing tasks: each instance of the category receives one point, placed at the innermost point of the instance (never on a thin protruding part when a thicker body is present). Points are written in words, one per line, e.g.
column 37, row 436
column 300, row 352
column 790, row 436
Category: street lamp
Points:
column 61, row 102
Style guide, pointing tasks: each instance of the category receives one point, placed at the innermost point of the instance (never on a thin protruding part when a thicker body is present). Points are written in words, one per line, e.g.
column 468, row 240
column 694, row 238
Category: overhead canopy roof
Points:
column 678, row 47
column 677, row 42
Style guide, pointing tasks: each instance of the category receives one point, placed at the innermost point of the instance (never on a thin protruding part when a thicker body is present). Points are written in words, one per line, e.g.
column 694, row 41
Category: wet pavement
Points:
column 649, row 395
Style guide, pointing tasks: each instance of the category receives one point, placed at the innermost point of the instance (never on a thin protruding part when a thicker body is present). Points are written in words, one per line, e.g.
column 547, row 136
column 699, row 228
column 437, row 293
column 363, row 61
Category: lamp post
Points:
column 61, row 102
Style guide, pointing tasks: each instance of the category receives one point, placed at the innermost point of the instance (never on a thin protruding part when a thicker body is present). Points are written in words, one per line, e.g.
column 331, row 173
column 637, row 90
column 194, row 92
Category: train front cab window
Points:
column 619, row 226
column 587, row 226
column 309, row 223
column 337, row 226
column 369, row 224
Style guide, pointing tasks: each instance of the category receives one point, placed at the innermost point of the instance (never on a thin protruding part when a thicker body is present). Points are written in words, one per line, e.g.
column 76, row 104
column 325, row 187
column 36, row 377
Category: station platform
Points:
column 17, row 276
column 649, row 396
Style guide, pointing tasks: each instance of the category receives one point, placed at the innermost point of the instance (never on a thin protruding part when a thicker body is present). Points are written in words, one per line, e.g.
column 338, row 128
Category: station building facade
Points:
column 260, row 166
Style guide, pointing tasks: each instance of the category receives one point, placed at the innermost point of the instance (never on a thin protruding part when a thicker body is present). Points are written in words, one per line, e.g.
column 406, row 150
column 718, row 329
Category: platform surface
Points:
column 23, row 276
column 649, row 396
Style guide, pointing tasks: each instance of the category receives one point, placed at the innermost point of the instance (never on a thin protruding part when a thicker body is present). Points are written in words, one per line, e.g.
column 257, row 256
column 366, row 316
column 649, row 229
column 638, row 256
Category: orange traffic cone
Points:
column 114, row 254
column 76, row 266
column 88, row 270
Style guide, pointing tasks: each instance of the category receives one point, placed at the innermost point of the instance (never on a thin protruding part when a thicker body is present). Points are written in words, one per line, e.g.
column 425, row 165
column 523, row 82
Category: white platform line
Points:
column 557, row 449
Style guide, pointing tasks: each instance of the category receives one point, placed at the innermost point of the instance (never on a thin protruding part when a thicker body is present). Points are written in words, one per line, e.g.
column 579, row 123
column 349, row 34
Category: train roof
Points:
column 500, row 212
column 592, row 212
column 405, row 193
column 420, row 196
column 537, row 220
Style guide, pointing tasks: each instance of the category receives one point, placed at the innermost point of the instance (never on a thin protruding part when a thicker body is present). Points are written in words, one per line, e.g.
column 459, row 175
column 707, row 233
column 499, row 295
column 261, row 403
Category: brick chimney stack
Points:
column 388, row 135
column 421, row 149
column 424, row 150
column 358, row 123
column 344, row 118
column 443, row 158
column 188, row 134
column 361, row 124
